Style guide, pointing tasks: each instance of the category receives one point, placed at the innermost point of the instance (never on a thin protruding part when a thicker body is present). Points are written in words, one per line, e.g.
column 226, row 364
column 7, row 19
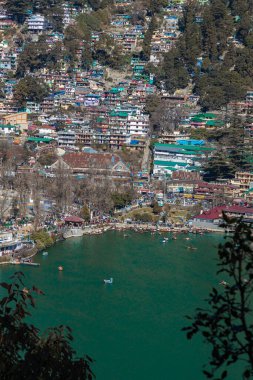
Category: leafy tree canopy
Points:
column 29, row 89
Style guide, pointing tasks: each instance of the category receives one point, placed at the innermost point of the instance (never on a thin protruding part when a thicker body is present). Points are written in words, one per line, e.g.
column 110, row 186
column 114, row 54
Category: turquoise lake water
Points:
column 132, row 327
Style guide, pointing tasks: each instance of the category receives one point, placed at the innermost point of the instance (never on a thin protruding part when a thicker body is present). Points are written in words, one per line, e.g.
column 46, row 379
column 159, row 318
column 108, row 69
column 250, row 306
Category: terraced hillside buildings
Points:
column 127, row 78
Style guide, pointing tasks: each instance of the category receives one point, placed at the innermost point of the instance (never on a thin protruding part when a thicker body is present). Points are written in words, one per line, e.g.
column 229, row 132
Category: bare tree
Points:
column 61, row 189
column 22, row 185
column 167, row 116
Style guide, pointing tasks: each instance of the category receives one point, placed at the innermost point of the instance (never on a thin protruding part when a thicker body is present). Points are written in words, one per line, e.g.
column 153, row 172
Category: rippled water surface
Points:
column 132, row 327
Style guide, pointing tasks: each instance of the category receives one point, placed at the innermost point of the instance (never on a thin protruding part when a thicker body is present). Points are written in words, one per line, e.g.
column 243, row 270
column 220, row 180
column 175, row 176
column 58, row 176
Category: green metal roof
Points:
column 119, row 113
column 215, row 123
column 115, row 90
column 186, row 148
column 169, row 163
column 198, row 119
column 248, row 191
column 39, row 139
column 206, row 115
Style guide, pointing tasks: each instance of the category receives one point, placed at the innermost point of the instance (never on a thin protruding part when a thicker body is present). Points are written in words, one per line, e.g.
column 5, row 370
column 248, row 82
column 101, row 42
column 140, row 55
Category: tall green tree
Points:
column 174, row 71
column 30, row 89
column 190, row 44
column 18, row 9
column 146, row 45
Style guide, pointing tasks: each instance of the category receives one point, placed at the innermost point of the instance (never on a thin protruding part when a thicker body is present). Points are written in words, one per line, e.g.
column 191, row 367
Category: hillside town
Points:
column 91, row 135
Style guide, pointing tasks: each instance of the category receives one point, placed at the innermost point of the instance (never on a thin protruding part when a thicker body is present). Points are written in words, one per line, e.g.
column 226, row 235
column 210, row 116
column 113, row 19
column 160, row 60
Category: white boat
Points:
column 109, row 281
column 44, row 253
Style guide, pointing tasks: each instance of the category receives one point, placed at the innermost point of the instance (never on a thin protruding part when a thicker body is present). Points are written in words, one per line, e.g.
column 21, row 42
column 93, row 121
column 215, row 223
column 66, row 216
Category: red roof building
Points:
column 99, row 164
column 216, row 212
column 73, row 220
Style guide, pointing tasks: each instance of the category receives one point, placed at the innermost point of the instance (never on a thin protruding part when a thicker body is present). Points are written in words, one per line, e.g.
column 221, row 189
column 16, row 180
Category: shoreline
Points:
column 93, row 230
column 139, row 228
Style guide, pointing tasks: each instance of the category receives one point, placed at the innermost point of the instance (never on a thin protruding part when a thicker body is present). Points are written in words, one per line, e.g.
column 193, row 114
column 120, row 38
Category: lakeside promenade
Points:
column 97, row 229
column 143, row 227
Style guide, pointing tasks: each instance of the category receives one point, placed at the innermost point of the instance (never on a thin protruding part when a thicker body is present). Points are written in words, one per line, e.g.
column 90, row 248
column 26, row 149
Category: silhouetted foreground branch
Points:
column 227, row 323
column 25, row 353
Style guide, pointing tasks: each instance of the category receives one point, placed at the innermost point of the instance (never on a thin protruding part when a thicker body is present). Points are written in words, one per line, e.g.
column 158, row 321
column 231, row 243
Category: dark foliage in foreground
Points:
column 25, row 353
column 227, row 324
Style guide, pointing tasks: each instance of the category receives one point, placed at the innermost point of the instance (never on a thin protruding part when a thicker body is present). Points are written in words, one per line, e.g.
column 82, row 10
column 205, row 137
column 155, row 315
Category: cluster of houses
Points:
column 94, row 113
column 186, row 155
column 165, row 37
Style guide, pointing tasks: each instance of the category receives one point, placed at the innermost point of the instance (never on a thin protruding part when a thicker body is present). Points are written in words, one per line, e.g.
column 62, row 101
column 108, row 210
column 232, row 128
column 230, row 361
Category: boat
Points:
column 109, row 281
column 44, row 253
column 191, row 248
column 224, row 283
column 60, row 268
column 32, row 264
column 28, row 262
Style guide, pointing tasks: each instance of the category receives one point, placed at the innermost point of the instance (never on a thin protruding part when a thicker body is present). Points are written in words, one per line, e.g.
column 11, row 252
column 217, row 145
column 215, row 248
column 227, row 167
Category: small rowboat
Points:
column 109, row 281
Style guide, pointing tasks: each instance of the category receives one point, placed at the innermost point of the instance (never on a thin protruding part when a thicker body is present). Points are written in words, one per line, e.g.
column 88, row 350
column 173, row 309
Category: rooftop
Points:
column 216, row 212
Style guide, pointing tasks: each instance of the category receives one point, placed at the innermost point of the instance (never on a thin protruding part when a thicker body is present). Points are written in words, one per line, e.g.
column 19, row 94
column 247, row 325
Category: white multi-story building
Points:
column 138, row 124
column 32, row 107
column 66, row 139
column 37, row 23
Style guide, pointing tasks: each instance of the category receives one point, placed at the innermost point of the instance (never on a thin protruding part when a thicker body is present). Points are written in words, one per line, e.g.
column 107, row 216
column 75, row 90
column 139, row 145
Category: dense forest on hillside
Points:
column 214, row 53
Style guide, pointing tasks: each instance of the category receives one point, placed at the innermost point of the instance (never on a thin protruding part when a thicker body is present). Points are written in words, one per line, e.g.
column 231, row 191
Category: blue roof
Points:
column 134, row 142
column 92, row 96
column 88, row 149
column 190, row 142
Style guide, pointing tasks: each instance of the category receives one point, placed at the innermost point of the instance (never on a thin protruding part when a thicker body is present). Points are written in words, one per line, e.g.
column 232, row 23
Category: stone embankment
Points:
column 98, row 229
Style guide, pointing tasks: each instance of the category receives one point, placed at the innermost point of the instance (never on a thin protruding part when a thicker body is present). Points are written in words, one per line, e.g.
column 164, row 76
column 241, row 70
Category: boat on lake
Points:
column 109, row 281
column 191, row 248
column 25, row 262
column 44, row 253
column 29, row 263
